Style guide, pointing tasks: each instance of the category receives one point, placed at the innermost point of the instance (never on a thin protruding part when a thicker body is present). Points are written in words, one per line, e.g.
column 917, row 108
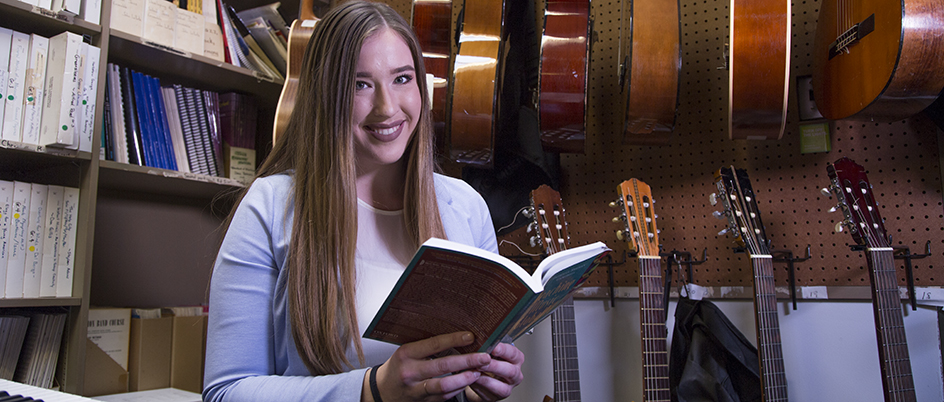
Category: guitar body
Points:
column 298, row 37
column 878, row 59
column 565, row 53
column 759, row 69
column 432, row 22
column 550, row 226
column 654, row 66
column 641, row 236
column 475, row 83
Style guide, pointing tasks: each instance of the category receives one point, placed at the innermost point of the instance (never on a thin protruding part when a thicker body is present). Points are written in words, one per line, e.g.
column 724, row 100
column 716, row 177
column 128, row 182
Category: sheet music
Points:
column 47, row 395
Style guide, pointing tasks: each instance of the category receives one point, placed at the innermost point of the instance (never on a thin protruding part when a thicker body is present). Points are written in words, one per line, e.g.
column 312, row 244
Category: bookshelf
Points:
column 139, row 227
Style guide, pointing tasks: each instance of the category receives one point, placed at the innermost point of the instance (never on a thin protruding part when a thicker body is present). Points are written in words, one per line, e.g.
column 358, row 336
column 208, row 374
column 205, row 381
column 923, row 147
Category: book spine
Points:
column 132, row 128
column 15, row 84
column 216, row 141
column 51, row 234
column 89, row 95
column 36, row 83
column 76, row 113
column 66, row 262
column 34, row 240
column 92, row 11
column 139, row 110
column 6, row 237
column 6, row 41
column 173, row 123
column 19, row 223
column 161, row 126
column 187, row 127
column 60, row 97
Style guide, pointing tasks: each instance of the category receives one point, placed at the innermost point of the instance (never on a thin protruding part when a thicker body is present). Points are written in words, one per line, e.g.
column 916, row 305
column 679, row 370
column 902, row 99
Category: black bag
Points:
column 711, row 360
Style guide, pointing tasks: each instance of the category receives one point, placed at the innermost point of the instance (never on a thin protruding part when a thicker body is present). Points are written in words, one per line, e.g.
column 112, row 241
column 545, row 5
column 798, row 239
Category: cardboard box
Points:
column 103, row 375
column 149, row 353
column 187, row 354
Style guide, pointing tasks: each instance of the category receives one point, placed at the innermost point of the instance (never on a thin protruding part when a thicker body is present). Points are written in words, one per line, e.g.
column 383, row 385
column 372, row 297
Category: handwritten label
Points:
column 813, row 292
column 128, row 16
column 213, row 41
column 191, row 27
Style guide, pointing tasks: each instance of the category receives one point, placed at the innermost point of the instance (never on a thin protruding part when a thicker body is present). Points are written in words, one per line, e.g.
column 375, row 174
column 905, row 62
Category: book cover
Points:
column 213, row 41
column 15, row 84
column 61, row 96
column 132, row 127
column 77, row 113
column 6, row 40
column 91, row 11
column 450, row 287
column 6, row 211
column 51, row 234
column 119, row 136
column 190, row 29
column 160, row 120
column 110, row 329
column 143, row 124
column 65, row 266
column 89, row 98
column 212, row 100
column 19, row 220
column 34, row 240
column 160, row 21
column 35, row 85
column 127, row 16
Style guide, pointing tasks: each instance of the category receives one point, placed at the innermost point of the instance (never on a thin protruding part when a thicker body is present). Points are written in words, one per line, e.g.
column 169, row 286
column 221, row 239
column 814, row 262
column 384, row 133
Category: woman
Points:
column 319, row 239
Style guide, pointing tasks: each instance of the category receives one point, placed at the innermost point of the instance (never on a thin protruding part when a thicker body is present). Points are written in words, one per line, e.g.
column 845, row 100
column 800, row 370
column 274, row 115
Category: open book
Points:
column 450, row 287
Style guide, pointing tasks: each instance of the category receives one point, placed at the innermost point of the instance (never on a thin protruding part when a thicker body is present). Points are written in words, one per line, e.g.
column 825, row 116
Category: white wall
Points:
column 829, row 348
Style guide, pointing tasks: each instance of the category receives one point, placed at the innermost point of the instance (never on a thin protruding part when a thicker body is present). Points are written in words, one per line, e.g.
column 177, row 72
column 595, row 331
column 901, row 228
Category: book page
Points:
column 444, row 291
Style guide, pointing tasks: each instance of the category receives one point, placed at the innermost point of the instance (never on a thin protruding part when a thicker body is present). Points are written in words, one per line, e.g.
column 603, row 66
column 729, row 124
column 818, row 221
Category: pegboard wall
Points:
column 902, row 160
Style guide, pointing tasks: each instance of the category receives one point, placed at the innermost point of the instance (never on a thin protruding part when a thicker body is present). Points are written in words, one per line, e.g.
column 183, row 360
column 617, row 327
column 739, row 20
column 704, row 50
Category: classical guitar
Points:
column 565, row 51
column 549, row 224
column 473, row 114
column 849, row 184
column 877, row 59
column 651, row 71
column 298, row 37
column 758, row 69
column 432, row 22
column 740, row 208
column 641, row 236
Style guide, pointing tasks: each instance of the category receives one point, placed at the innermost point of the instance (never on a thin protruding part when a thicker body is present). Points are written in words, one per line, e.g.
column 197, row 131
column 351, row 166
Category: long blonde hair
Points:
column 318, row 146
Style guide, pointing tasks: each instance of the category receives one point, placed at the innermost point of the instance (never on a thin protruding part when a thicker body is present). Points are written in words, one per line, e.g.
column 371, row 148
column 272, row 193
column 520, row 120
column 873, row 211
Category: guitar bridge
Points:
column 851, row 36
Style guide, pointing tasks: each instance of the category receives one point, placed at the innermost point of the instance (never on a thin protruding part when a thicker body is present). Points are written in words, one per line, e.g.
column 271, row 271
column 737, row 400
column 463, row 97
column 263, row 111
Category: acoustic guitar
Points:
column 651, row 71
column 476, row 81
column 432, row 22
column 565, row 55
column 878, row 59
column 758, row 69
column 740, row 208
column 301, row 31
column 641, row 236
column 549, row 224
column 849, row 184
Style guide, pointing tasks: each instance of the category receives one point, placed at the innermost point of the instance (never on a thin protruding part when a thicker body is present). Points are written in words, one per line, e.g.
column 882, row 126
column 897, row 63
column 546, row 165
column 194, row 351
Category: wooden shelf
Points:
column 45, row 302
column 28, row 18
column 122, row 177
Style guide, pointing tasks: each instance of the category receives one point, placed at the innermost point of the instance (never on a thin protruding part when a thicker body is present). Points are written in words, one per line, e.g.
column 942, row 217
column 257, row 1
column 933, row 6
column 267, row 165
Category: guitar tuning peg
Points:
column 656, row 216
column 652, row 235
column 834, row 208
column 616, row 219
column 531, row 227
column 723, row 232
column 612, row 204
column 534, row 241
column 713, row 199
column 645, row 205
column 619, row 235
column 839, row 227
column 825, row 191
column 718, row 214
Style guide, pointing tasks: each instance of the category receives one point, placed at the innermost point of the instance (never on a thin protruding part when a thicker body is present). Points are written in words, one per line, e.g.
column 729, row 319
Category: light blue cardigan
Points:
column 250, row 352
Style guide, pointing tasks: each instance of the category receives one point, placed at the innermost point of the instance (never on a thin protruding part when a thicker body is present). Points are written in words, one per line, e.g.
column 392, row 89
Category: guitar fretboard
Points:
column 897, row 380
column 773, row 377
column 564, row 339
column 655, row 358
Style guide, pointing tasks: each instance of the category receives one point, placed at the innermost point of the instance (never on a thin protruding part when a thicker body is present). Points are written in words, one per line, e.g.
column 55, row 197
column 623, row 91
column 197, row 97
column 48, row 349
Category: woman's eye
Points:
column 404, row 79
column 358, row 85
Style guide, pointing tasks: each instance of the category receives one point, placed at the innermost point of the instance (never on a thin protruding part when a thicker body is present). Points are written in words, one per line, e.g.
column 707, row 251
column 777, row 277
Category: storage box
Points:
column 103, row 375
column 186, row 362
column 149, row 353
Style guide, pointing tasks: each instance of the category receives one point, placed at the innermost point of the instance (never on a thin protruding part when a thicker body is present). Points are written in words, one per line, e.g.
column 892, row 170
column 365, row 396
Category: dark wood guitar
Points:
column 878, row 59
column 301, row 31
column 641, row 236
column 740, row 207
column 758, row 69
column 473, row 120
column 651, row 71
column 565, row 55
column 849, row 184
column 549, row 223
column 432, row 22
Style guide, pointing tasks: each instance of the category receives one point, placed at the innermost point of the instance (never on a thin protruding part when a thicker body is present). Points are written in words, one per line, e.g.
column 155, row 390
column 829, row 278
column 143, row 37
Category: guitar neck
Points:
column 564, row 338
column 897, row 380
column 655, row 358
column 773, row 379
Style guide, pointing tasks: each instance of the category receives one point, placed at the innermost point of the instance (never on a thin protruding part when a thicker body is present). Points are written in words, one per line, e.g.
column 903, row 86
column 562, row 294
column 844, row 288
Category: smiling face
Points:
column 387, row 101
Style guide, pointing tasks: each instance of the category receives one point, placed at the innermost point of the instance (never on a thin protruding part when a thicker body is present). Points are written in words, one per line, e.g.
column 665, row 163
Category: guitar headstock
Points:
column 549, row 220
column 638, row 217
column 849, row 184
column 740, row 208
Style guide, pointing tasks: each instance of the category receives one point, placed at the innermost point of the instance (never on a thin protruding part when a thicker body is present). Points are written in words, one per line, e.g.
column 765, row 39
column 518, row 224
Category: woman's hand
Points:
column 500, row 377
column 411, row 375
